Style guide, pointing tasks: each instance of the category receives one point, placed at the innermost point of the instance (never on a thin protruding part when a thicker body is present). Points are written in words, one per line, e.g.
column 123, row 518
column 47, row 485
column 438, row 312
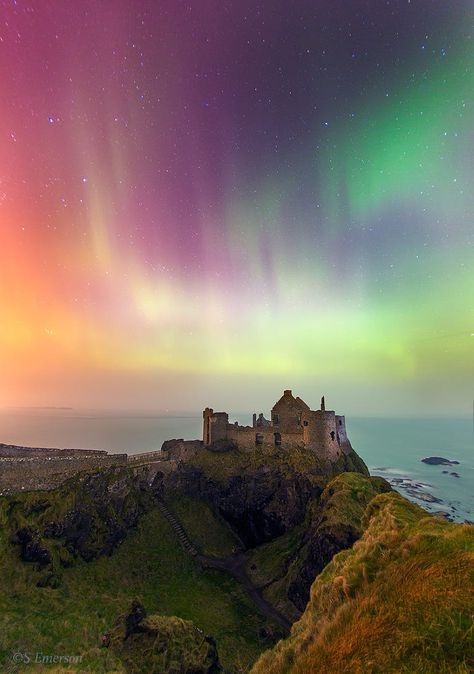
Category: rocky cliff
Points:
column 260, row 494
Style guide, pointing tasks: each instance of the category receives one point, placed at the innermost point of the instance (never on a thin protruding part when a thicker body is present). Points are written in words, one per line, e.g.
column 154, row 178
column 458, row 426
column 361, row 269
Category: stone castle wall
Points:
column 180, row 450
column 145, row 457
column 248, row 438
column 35, row 468
column 15, row 451
column 48, row 470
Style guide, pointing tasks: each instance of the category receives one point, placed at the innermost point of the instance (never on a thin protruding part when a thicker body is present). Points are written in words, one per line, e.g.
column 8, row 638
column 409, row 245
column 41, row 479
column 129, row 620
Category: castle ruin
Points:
column 292, row 424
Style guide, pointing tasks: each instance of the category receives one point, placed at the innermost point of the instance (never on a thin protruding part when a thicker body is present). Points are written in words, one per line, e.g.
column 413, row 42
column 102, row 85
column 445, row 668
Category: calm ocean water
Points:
column 391, row 447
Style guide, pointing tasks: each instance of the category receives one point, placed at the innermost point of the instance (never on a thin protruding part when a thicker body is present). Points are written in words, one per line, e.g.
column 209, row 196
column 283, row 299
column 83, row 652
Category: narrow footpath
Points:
column 234, row 565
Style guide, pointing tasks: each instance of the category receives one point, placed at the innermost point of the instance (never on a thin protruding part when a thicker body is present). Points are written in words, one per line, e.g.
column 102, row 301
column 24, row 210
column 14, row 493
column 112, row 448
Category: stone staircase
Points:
column 186, row 544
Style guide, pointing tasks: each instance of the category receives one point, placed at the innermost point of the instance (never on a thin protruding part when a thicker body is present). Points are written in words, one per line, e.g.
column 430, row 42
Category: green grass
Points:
column 149, row 565
column 345, row 498
column 210, row 534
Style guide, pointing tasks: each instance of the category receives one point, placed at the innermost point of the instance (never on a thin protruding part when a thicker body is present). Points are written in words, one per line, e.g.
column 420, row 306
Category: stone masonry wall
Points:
column 15, row 451
column 246, row 437
column 48, row 471
column 180, row 450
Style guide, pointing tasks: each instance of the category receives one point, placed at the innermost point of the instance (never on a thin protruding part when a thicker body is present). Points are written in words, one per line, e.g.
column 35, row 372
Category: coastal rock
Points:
column 444, row 515
column 424, row 496
column 439, row 461
column 161, row 644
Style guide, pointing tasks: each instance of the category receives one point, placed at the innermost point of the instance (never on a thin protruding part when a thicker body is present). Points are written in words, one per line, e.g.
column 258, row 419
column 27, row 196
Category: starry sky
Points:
column 206, row 202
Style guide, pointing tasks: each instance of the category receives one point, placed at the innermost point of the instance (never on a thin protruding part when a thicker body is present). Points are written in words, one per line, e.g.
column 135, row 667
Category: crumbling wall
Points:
column 214, row 425
column 180, row 450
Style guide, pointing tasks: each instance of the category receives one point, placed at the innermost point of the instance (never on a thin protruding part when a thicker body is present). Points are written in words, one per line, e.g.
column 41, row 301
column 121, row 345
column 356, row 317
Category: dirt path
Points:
column 234, row 565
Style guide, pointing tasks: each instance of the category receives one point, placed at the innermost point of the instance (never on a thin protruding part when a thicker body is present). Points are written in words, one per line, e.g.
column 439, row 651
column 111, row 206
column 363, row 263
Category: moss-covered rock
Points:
column 161, row 644
column 85, row 517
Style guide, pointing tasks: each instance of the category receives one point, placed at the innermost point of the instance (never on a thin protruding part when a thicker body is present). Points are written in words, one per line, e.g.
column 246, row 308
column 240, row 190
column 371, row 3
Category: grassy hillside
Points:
column 150, row 565
column 210, row 535
column 398, row 602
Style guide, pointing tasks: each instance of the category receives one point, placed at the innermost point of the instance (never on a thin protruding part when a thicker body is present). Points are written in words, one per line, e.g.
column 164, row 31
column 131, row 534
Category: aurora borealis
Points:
column 211, row 201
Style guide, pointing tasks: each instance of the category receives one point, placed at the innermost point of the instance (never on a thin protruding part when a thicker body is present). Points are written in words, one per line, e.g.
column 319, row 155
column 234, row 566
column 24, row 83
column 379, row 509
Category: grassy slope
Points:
column 397, row 602
column 209, row 534
column 149, row 565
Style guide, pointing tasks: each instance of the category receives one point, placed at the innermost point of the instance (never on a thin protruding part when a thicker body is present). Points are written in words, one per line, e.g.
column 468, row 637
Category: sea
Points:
column 391, row 447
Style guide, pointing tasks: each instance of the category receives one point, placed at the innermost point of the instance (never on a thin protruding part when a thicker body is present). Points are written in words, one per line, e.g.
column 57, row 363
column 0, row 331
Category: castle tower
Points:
column 214, row 425
column 320, row 433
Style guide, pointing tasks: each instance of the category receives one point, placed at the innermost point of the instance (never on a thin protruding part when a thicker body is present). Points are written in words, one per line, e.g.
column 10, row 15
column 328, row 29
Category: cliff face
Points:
column 335, row 525
column 260, row 494
column 396, row 602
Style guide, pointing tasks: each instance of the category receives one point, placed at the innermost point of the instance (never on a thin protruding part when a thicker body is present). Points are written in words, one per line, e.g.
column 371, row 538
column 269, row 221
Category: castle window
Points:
column 333, row 435
column 305, row 423
column 277, row 439
column 340, row 422
column 276, row 418
column 259, row 439
column 299, row 419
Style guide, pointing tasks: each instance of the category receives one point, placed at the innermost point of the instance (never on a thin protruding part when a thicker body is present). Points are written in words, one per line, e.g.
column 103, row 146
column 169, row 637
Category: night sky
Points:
column 207, row 202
